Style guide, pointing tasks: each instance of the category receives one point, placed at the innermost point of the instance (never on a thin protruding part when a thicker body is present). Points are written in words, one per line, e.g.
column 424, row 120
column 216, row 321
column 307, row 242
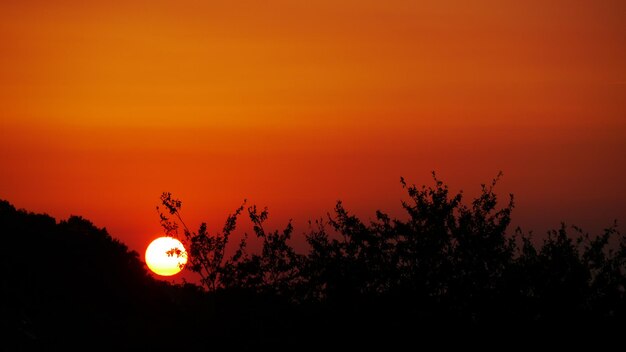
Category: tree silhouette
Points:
column 206, row 252
column 445, row 265
column 444, row 261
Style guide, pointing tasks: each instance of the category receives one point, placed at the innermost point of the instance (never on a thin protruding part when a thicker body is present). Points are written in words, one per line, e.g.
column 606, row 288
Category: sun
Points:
column 166, row 256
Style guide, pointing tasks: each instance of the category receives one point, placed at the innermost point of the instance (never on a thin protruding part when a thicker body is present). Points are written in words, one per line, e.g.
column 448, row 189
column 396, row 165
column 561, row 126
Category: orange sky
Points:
column 294, row 105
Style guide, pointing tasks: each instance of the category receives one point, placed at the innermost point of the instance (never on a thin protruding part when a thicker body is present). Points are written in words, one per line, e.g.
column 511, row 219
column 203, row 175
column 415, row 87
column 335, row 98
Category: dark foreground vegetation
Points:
column 449, row 266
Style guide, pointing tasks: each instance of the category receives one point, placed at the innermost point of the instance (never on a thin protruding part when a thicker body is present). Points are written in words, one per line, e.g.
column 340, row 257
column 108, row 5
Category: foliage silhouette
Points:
column 445, row 262
column 447, row 266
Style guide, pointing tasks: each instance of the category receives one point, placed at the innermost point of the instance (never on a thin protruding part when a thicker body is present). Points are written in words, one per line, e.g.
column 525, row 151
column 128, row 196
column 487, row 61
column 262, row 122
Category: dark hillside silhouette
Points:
column 72, row 284
column 448, row 267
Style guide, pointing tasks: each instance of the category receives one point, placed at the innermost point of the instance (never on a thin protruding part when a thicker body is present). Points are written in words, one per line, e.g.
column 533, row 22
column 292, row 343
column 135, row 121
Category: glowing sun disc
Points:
column 166, row 256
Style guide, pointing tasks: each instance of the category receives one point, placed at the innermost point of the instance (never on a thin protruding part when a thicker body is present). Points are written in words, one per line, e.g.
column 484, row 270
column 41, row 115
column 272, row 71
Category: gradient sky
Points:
column 295, row 104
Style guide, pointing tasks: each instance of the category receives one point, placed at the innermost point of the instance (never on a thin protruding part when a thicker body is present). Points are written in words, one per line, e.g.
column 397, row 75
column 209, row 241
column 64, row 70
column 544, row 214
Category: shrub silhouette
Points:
column 447, row 265
column 447, row 261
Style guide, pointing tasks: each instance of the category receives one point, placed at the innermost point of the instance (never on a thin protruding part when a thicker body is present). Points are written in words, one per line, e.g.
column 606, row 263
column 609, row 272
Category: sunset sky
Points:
column 297, row 104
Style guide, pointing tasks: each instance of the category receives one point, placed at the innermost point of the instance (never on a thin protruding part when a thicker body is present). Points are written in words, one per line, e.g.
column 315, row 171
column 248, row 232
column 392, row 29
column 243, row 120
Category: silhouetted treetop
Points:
column 445, row 259
column 445, row 265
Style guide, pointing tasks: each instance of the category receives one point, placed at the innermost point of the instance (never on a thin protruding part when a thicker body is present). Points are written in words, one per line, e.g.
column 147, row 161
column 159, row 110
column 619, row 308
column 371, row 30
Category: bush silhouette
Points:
column 447, row 266
column 447, row 261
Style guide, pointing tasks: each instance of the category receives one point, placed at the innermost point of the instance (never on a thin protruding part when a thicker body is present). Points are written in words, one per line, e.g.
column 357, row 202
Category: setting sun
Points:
column 166, row 256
